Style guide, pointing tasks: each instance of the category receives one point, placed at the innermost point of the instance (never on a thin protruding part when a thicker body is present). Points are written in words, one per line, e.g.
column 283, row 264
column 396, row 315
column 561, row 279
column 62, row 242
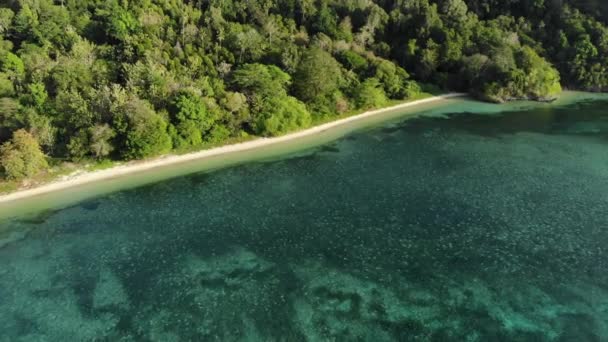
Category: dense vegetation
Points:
column 83, row 79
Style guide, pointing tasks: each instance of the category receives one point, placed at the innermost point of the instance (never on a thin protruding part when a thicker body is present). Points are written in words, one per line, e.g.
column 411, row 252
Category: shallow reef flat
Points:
column 449, row 227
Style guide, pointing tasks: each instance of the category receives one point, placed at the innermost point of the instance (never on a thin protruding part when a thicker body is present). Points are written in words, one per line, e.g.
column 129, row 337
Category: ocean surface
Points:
column 459, row 225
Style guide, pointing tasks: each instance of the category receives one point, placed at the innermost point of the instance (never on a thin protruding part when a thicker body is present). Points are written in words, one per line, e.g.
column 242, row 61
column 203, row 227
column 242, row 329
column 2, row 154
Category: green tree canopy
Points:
column 370, row 94
column 22, row 157
column 260, row 82
column 317, row 78
column 281, row 115
column 141, row 132
column 191, row 119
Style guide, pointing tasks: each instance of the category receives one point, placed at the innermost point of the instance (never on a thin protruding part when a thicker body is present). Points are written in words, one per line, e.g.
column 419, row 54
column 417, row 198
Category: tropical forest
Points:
column 103, row 80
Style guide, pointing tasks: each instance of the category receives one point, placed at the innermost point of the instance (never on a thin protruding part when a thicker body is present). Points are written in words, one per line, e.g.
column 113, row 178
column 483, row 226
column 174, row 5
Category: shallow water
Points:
column 464, row 227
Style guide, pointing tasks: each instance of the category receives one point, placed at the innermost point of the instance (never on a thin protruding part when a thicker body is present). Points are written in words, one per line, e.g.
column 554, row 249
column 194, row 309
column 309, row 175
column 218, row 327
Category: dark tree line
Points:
column 84, row 79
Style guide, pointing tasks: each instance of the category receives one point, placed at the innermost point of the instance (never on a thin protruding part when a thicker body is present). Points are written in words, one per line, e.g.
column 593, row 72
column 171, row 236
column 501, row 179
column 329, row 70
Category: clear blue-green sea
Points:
column 458, row 225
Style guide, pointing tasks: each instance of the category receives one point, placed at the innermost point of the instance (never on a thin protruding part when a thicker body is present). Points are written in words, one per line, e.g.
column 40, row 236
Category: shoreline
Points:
column 145, row 165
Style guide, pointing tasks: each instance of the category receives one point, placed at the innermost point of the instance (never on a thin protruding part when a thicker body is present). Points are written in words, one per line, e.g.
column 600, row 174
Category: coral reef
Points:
column 434, row 230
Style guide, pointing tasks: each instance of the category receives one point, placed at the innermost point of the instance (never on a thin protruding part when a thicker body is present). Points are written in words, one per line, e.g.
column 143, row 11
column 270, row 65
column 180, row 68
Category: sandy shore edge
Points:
column 145, row 165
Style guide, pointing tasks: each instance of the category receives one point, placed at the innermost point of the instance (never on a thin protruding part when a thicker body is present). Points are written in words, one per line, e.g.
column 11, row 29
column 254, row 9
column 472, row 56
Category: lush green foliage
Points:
column 21, row 156
column 132, row 79
column 317, row 79
column 370, row 94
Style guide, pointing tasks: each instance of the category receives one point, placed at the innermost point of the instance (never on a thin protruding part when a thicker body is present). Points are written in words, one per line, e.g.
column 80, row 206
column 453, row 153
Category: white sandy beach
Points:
column 145, row 165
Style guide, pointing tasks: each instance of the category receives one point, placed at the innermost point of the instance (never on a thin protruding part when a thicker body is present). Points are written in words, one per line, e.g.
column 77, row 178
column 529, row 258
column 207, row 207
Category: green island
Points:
column 85, row 84
column 304, row 170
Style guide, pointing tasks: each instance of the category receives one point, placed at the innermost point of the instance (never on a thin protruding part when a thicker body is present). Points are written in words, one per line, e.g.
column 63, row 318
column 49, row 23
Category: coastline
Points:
column 146, row 165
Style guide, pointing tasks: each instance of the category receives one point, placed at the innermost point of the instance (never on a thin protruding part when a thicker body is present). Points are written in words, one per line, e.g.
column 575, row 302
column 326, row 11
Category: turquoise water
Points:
column 463, row 227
